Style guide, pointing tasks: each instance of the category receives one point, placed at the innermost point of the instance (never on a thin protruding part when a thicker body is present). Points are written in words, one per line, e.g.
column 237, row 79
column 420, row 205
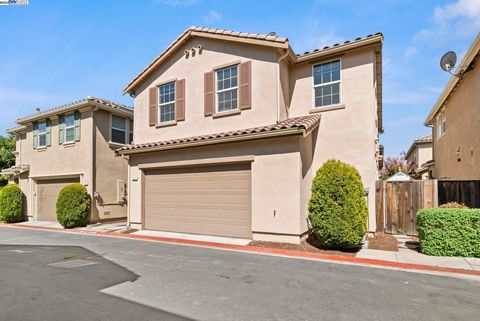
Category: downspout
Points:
column 279, row 83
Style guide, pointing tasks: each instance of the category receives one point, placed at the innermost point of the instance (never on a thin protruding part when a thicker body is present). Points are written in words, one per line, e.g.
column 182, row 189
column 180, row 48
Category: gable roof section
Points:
column 293, row 126
column 98, row 102
column 468, row 60
column 417, row 141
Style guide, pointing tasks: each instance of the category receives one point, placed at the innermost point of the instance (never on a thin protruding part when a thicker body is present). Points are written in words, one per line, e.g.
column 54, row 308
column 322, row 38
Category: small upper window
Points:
column 326, row 83
column 443, row 120
column 130, row 132
column 227, row 88
column 166, row 104
column 69, row 128
column 119, row 130
column 42, row 133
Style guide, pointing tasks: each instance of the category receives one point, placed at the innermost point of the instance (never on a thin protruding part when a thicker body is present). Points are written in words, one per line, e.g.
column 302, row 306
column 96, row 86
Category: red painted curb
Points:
column 249, row 248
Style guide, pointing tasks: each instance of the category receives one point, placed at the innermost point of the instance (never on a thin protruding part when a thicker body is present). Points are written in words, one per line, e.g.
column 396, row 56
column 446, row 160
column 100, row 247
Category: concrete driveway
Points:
column 59, row 276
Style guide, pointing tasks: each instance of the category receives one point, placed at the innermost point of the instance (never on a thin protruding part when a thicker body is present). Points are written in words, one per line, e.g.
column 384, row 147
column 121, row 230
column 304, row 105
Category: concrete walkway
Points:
column 409, row 254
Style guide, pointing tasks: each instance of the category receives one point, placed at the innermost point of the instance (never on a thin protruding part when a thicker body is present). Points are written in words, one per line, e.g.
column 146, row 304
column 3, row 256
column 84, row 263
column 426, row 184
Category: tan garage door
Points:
column 47, row 194
column 202, row 200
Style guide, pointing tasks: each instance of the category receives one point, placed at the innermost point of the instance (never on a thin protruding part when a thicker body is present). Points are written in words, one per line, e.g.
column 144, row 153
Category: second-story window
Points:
column 69, row 128
column 227, row 88
column 326, row 83
column 42, row 133
column 166, row 101
column 119, row 130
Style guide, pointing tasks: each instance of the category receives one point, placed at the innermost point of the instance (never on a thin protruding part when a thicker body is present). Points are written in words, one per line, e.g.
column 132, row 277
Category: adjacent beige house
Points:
column 75, row 142
column 420, row 154
column 230, row 129
column 455, row 122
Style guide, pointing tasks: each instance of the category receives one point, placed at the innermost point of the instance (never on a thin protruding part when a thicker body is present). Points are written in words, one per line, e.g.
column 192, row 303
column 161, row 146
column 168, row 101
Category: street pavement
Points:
column 47, row 275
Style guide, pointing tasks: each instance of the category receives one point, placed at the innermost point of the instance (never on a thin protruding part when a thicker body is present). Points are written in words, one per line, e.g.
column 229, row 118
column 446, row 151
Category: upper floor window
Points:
column 69, row 128
column 227, row 88
column 119, row 130
column 166, row 104
column 441, row 123
column 130, row 132
column 326, row 83
column 42, row 133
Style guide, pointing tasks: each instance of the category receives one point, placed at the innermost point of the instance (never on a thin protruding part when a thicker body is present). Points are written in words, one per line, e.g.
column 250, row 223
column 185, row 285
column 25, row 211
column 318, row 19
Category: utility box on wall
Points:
column 121, row 191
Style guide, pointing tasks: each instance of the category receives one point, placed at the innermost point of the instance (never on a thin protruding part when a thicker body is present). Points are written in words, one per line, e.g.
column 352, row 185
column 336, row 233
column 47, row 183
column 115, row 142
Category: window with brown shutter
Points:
column 209, row 93
column 180, row 99
column 245, row 85
column 153, row 106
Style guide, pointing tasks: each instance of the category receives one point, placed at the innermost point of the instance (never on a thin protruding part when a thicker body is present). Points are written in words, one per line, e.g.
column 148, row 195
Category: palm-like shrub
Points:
column 338, row 210
column 11, row 203
column 72, row 205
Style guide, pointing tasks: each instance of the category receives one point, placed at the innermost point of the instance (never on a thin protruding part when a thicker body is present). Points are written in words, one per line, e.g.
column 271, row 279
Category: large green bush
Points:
column 338, row 210
column 72, row 205
column 11, row 203
column 449, row 231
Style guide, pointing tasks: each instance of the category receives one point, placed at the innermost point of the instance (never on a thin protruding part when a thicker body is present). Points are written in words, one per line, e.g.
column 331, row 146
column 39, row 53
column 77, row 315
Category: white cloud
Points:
column 456, row 19
column 314, row 36
column 212, row 16
column 175, row 3
column 410, row 52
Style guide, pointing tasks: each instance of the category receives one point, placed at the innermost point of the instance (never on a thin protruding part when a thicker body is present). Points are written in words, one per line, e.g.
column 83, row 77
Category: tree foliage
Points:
column 7, row 147
column 393, row 165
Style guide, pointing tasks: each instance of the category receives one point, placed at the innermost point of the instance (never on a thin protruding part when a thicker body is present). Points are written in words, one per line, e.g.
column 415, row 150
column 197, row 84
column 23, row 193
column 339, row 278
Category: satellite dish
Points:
column 448, row 61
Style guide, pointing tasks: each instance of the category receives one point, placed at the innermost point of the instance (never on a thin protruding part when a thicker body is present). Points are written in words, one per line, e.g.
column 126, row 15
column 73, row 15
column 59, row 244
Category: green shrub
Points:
column 449, row 231
column 338, row 210
column 453, row 205
column 72, row 205
column 11, row 203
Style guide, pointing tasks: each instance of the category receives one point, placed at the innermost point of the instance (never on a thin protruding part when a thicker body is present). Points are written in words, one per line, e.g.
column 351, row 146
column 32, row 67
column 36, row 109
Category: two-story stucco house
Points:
column 230, row 129
column 455, row 122
column 420, row 154
column 74, row 142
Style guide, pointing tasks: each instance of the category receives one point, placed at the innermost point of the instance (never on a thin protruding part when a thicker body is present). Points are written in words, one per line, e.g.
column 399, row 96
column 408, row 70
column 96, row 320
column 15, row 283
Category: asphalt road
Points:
column 60, row 276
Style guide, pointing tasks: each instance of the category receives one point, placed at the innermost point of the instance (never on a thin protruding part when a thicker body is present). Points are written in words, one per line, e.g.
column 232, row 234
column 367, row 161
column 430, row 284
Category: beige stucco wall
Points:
column 66, row 160
column 348, row 134
column 96, row 164
column 462, row 132
column 283, row 168
column 215, row 53
column 276, row 170
column 108, row 169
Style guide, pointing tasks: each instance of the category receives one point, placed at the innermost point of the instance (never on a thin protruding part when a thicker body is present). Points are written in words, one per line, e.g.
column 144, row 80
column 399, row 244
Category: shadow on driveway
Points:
column 64, row 283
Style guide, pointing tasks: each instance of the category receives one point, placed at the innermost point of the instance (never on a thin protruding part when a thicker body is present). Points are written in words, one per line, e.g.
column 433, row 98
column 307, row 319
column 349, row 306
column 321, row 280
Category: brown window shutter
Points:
column 153, row 106
column 245, row 85
column 209, row 93
column 180, row 99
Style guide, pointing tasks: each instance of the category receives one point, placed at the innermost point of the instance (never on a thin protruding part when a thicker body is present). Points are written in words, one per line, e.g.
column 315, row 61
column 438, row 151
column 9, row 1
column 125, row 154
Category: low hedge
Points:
column 72, row 206
column 11, row 203
column 449, row 231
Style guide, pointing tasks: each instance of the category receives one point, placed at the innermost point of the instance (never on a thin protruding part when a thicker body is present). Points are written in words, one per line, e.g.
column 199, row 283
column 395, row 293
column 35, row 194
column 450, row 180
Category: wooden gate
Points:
column 398, row 203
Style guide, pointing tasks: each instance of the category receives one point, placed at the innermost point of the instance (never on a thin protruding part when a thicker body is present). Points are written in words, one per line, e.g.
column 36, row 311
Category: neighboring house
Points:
column 455, row 122
column 399, row 177
column 230, row 129
column 74, row 142
column 420, row 154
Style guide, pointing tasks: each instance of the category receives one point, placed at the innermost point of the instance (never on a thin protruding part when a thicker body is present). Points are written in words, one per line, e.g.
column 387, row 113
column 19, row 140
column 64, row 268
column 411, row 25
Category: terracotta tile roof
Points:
column 347, row 42
column 102, row 101
column 269, row 37
column 303, row 124
column 423, row 139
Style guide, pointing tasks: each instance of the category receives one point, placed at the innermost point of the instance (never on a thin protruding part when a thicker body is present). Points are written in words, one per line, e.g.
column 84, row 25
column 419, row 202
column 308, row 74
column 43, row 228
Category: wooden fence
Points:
column 397, row 203
column 465, row 192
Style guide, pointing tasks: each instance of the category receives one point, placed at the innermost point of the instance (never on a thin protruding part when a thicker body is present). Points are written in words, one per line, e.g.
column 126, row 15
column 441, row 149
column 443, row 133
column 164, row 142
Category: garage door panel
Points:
column 47, row 194
column 205, row 200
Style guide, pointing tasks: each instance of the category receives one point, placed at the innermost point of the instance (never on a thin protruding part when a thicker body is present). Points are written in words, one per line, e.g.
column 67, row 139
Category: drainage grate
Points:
column 73, row 264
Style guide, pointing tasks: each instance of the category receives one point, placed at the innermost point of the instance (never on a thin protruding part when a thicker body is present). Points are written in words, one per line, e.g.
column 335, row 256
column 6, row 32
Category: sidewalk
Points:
column 410, row 255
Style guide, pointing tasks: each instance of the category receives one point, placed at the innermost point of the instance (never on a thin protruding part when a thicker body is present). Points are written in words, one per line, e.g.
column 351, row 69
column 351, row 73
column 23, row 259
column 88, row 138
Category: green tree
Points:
column 7, row 147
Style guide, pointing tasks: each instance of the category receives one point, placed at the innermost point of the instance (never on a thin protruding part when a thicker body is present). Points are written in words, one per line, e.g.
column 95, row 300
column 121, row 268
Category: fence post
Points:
column 379, row 209
column 435, row 193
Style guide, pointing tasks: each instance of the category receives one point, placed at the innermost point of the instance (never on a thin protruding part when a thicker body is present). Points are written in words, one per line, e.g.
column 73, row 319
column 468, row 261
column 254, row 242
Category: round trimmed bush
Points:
column 338, row 210
column 11, row 203
column 72, row 205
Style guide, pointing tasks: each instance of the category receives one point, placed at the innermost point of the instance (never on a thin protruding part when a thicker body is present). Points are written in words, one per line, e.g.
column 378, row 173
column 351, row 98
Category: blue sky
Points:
column 54, row 52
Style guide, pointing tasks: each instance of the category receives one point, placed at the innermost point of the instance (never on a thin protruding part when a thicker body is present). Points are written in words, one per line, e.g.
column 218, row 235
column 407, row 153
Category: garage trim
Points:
column 199, row 162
